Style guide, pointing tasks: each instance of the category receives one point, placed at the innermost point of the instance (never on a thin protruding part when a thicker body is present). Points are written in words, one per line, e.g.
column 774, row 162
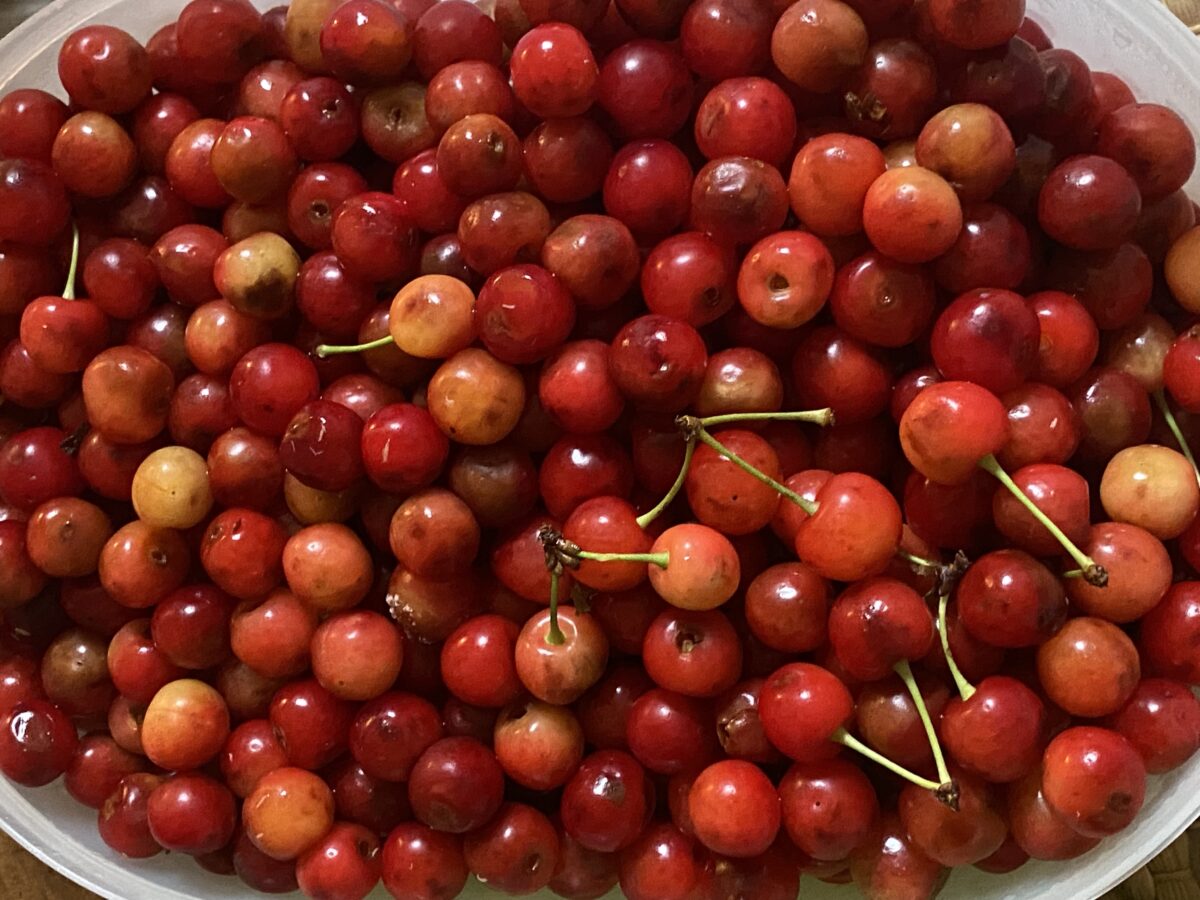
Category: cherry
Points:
column 1152, row 487
column 538, row 745
column 75, row 673
column 374, row 804
column 357, row 655
column 916, row 197
column 662, row 863
column 1180, row 273
column 1039, row 830
column 966, row 343
column 785, row 279
column 818, row 45
column 1089, row 668
column 422, row 863
column 889, row 861
column 560, row 672
column 882, row 302
column 877, row 624
column 607, row 802
column 287, row 813
column 647, row 89
column 787, row 607
column 953, row 837
column 123, row 819
column 1113, row 410
column 648, row 188
column 311, row 723
column 37, row 743
column 802, row 707
column 97, row 769
column 829, row 807
column 670, row 733
column 738, row 200
column 577, row 389
column 1167, row 632
column 191, row 814
column 737, row 107
column 658, row 363
column 889, row 719
column 104, row 68
column 186, row 725
column 477, row 662
column 696, row 653
column 402, row 448
column 1162, row 721
column 456, row 786
column 30, row 119
column 250, row 752
column 997, row 731
column 734, row 808
column 1009, row 599
column 854, row 530
column 1141, row 573
column 345, row 864
column 1094, row 779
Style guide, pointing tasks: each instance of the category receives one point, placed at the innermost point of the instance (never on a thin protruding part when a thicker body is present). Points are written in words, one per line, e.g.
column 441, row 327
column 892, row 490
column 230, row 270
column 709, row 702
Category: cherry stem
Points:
column 554, row 635
column 324, row 350
column 920, row 564
column 1093, row 574
column 1073, row 573
column 662, row 560
column 1161, row 399
column 807, row 505
column 846, row 739
column 965, row 689
column 814, row 416
column 659, row 508
column 69, row 291
column 904, row 670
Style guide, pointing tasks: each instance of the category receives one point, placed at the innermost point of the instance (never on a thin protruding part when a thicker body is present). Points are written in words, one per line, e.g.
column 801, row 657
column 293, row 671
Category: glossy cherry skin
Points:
column 998, row 732
column 560, row 673
column 607, row 802
column 787, row 607
column 1009, row 599
column 191, row 813
column 889, row 862
column 122, row 820
column 37, row 743
column 1168, row 632
column 1089, row 668
column 1094, row 779
column 988, row 337
column 802, row 706
column 1162, row 721
column 876, row 624
column 952, row 837
column 422, row 863
column 1089, row 203
column 1038, row 829
column 456, row 785
column 949, row 427
column 670, row 733
column 855, row 531
column 828, row 807
column 734, row 808
column 693, row 652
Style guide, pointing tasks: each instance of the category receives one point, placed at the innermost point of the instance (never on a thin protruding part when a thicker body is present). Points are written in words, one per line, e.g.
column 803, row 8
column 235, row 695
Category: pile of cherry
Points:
column 686, row 445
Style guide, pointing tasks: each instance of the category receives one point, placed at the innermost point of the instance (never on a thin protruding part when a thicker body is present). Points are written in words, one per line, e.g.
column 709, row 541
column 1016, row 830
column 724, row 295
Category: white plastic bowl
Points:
column 1136, row 39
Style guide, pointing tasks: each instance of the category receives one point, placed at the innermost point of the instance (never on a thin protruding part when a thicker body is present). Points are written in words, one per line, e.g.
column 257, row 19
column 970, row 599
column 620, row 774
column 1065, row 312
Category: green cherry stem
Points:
column 904, row 670
column 813, row 416
column 662, row 560
column 965, row 689
column 69, row 291
column 659, row 508
column 920, row 564
column 807, row 505
column 849, row 741
column 1093, row 574
column 554, row 635
column 1160, row 398
column 325, row 350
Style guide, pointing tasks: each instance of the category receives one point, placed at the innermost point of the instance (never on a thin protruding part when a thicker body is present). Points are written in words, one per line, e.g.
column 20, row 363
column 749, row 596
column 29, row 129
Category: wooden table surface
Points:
column 21, row 876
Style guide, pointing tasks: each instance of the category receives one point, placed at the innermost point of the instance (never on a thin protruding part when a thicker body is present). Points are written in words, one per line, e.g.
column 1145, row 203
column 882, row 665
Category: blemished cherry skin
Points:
column 723, row 496
column 829, row 807
column 734, row 808
column 1038, row 829
column 1089, row 668
column 607, row 802
column 1162, row 721
column 516, row 852
column 560, row 673
column 1170, row 632
column 1139, row 570
column 694, row 652
column 954, row 837
column 877, row 623
column 122, row 820
column 949, row 427
column 37, row 743
column 539, row 745
column 390, row 733
column 889, row 864
column 1095, row 779
column 1009, row 599
column 801, row 707
column 855, row 531
column 424, row 864
column 456, row 786
column 998, row 733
